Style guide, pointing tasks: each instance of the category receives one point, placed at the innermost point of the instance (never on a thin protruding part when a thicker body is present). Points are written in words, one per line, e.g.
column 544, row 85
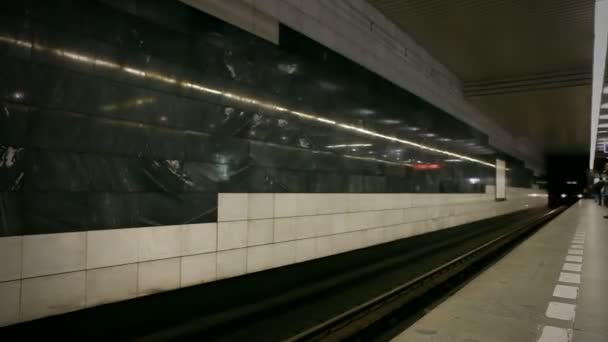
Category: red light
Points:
column 426, row 166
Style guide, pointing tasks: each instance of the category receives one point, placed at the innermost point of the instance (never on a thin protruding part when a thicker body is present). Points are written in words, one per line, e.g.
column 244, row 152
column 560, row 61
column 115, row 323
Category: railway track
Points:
column 352, row 324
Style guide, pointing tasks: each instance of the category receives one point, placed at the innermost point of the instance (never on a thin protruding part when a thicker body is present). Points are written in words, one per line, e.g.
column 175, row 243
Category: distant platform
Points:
column 551, row 288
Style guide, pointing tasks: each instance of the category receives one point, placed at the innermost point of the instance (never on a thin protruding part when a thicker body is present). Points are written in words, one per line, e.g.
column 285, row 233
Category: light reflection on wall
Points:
column 128, row 104
column 73, row 56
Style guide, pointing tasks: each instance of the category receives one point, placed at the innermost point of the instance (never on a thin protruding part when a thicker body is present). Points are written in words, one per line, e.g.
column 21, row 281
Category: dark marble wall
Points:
column 137, row 113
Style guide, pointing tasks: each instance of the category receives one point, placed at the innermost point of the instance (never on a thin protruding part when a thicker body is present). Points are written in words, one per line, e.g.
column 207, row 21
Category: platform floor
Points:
column 553, row 287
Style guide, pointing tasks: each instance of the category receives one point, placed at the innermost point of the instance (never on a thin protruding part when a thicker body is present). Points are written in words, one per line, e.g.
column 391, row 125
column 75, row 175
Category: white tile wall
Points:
column 231, row 235
column 231, row 263
column 284, row 253
column 260, row 258
column 324, row 246
column 122, row 263
column 158, row 276
column 159, row 242
column 198, row 269
column 284, row 229
column 306, row 249
column 10, row 254
column 339, row 223
column 232, row 207
column 111, row 284
column 9, row 299
column 112, row 247
column 285, row 205
column 260, row 232
column 51, row 295
column 199, row 238
column 53, row 253
column 261, row 206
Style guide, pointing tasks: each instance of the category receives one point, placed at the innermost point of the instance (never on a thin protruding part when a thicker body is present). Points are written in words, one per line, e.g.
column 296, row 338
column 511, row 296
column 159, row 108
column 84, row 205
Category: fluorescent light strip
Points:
column 89, row 60
column 600, row 33
column 349, row 145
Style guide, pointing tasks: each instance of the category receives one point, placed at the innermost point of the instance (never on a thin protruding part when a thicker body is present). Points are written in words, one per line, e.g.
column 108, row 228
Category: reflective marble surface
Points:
column 136, row 113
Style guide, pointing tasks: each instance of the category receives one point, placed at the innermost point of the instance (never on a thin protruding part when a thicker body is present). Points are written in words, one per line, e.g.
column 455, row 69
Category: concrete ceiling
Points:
column 526, row 64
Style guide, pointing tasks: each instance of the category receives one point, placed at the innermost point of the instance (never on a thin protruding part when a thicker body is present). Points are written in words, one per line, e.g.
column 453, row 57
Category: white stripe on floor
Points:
column 575, row 251
column 563, row 311
column 553, row 334
column 565, row 291
column 572, row 278
column 574, row 258
column 576, row 246
column 572, row 267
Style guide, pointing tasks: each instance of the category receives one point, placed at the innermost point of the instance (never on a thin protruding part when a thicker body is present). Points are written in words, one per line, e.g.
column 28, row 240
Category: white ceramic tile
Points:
column 572, row 278
column 565, row 291
column 561, row 311
column 324, row 247
column 306, row 204
column 373, row 236
column 158, row 276
column 357, row 221
column 261, row 206
column 111, row 284
column 571, row 267
column 52, row 295
column 259, row 258
column 340, row 243
column 356, row 202
column 260, row 232
column 9, row 302
column 415, row 214
column 306, row 226
column 53, row 253
column 10, row 254
column 392, row 217
column 231, row 235
column 284, row 253
column 112, row 247
column 231, row 263
column 332, row 203
column 159, row 242
column 285, row 205
column 306, row 249
column 284, row 229
column 339, row 223
column 322, row 225
column 232, row 207
column 555, row 334
column 198, row 269
column 199, row 238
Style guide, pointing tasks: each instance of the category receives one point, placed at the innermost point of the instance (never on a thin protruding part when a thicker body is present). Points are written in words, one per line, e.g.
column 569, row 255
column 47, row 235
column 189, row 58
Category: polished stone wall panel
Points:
column 119, row 114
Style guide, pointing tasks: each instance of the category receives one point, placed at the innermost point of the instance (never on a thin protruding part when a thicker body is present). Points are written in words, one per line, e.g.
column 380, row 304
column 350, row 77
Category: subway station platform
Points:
column 551, row 288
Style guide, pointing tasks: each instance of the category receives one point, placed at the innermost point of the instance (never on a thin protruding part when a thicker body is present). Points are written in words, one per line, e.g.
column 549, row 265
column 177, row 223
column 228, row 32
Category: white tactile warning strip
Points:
column 563, row 311
column 567, row 291
column 574, row 258
column 572, row 267
column 572, row 278
column 554, row 334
